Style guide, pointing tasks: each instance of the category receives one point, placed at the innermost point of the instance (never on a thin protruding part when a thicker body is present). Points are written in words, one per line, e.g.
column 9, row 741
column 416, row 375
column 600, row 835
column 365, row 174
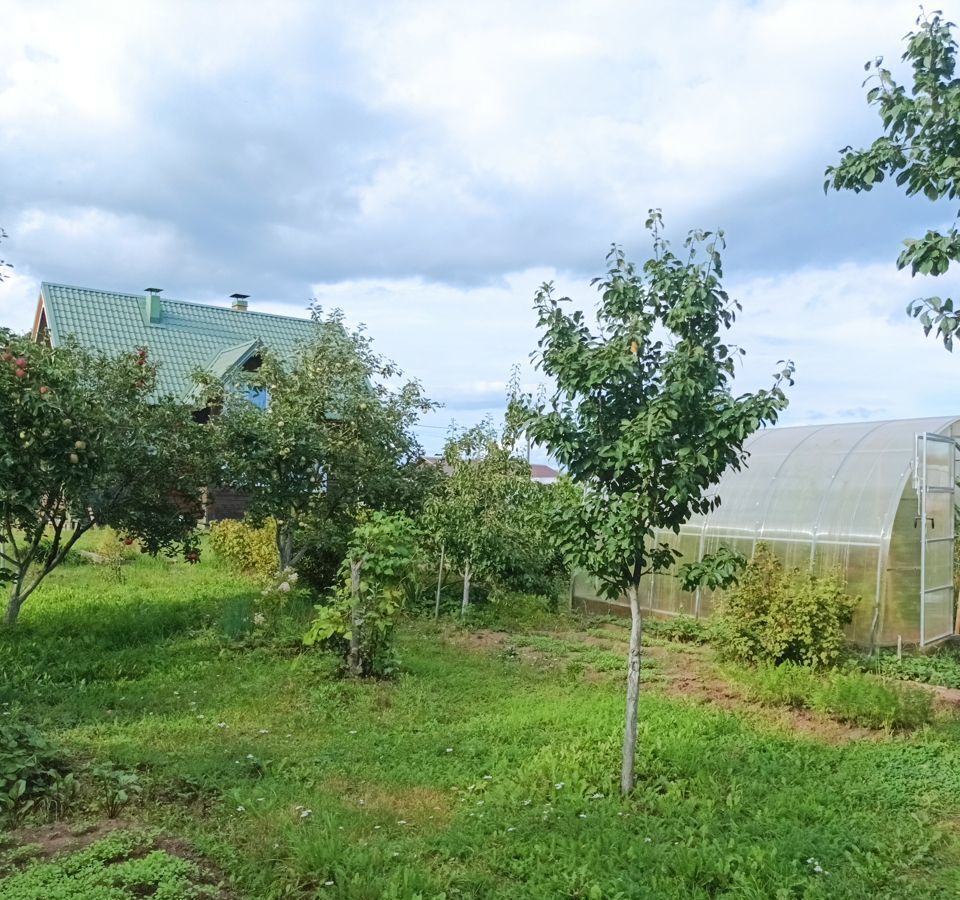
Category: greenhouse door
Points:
column 936, row 483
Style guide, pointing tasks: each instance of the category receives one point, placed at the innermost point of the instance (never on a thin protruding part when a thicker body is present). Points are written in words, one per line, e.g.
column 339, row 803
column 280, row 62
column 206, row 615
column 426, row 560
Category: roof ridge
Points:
column 206, row 306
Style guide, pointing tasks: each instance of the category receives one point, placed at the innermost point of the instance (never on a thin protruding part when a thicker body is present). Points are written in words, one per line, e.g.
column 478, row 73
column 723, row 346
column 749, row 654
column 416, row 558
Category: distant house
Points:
column 538, row 472
column 180, row 337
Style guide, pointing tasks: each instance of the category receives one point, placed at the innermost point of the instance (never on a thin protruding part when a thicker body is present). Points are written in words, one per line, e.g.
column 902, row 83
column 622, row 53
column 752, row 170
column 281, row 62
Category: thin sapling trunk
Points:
column 356, row 620
column 436, row 608
column 633, row 692
column 466, row 588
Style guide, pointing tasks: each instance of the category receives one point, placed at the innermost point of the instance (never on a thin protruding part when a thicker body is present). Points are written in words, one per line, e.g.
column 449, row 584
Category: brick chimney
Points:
column 239, row 302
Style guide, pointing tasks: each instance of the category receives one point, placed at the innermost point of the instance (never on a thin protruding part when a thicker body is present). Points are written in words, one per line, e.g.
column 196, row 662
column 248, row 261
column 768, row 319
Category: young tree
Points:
column 335, row 436
column 478, row 516
column 643, row 418
column 363, row 611
column 920, row 145
column 82, row 444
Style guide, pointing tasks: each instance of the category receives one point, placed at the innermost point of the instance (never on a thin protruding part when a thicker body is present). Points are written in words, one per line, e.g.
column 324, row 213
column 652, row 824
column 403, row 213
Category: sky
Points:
column 425, row 166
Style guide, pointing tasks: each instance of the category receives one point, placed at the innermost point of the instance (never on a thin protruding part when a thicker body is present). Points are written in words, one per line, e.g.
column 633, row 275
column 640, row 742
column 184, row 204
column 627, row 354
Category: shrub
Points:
column 361, row 616
column 776, row 615
column 114, row 551
column 33, row 772
column 246, row 547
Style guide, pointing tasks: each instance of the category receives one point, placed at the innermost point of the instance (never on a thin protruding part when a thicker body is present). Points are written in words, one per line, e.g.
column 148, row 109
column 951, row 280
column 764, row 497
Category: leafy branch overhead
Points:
column 920, row 150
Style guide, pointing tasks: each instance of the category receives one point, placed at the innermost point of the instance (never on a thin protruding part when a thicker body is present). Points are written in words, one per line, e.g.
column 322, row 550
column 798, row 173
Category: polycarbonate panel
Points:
column 939, row 464
column 938, row 614
column 831, row 497
column 938, row 566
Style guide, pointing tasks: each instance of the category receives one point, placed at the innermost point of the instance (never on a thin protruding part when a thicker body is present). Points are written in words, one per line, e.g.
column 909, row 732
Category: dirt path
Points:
column 678, row 670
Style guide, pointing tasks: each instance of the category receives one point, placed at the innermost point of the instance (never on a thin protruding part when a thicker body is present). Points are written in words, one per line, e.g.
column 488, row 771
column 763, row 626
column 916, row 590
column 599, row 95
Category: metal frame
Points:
column 924, row 489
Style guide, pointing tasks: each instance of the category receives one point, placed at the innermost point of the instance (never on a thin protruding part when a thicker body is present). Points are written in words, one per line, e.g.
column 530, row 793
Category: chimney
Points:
column 239, row 302
column 152, row 304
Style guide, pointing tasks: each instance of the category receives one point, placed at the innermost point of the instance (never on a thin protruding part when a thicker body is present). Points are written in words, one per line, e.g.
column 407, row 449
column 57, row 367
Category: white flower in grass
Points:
column 306, row 813
column 241, row 809
column 488, row 778
column 328, row 884
column 264, row 731
column 293, row 578
column 353, row 731
column 648, row 840
column 596, row 796
column 259, row 619
column 560, row 785
column 511, row 828
column 401, row 821
column 449, row 749
column 284, row 586
column 527, row 802
column 583, row 815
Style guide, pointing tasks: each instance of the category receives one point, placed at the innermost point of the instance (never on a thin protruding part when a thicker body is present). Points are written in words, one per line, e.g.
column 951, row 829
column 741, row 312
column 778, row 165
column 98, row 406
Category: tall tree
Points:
column 335, row 436
column 920, row 145
column 84, row 443
column 643, row 417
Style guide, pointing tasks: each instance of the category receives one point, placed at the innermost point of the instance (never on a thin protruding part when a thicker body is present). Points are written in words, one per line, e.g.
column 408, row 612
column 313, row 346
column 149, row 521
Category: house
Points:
column 538, row 471
column 180, row 337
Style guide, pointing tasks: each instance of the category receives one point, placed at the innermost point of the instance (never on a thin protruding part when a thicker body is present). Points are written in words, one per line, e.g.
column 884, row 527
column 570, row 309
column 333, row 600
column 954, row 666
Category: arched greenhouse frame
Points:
column 875, row 499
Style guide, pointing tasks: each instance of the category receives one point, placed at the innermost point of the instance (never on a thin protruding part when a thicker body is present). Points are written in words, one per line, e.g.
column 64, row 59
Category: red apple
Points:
column 20, row 373
column 44, row 389
column 21, row 362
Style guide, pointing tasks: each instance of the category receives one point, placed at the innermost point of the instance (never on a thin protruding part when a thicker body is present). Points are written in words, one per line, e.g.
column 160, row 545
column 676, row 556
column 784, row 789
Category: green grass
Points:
column 474, row 775
column 855, row 697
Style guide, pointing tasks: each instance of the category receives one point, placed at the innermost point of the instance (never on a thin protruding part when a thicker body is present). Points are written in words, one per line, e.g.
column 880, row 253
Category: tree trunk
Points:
column 633, row 692
column 13, row 609
column 436, row 608
column 353, row 659
column 466, row 588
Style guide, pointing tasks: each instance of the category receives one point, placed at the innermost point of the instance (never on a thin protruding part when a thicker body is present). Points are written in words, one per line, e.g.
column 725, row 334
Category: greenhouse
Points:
column 874, row 499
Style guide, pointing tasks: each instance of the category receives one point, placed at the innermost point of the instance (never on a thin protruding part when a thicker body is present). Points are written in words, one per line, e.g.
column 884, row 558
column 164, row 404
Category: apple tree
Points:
column 643, row 417
column 335, row 437
column 84, row 443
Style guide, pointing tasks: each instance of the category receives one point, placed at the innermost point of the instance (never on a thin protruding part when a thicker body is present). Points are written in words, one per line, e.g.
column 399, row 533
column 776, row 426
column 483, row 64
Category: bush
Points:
column 776, row 615
column 33, row 772
column 361, row 616
column 248, row 548
column 114, row 551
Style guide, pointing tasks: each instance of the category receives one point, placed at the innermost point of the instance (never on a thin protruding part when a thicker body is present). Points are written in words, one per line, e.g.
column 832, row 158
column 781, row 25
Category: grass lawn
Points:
column 483, row 771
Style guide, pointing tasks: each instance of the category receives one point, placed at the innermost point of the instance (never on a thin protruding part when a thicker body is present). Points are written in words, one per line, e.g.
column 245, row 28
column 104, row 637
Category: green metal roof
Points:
column 186, row 337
